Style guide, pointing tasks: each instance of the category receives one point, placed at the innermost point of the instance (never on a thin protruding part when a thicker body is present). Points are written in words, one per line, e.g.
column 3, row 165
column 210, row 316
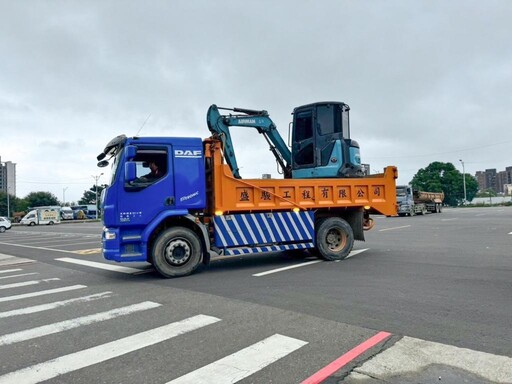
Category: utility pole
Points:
column 96, row 188
column 463, row 181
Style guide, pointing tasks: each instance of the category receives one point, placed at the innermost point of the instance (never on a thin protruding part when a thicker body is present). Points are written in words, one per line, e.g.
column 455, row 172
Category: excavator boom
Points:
column 260, row 120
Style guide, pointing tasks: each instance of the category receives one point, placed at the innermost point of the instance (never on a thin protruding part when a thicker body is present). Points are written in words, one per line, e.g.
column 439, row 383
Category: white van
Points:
column 42, row 215
column 66, row 213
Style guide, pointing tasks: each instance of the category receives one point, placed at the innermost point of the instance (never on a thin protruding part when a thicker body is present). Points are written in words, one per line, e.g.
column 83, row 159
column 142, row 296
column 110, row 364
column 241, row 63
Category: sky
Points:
column 425, row 80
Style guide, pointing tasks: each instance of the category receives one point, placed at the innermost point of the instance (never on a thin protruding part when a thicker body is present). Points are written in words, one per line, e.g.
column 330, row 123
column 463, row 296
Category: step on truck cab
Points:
column 196, row 209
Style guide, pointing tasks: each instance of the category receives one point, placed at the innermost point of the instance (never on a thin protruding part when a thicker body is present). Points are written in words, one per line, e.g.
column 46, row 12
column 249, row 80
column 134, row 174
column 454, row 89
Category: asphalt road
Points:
column 439, row 282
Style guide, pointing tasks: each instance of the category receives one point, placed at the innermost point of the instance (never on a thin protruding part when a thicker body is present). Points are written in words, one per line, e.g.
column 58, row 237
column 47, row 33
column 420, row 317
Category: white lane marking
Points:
column 42, row 248
column 414, row 355
column 87, row 357
column 243, row 363
column 65, row 325
column 510, row 233
column 390, row 229
column 54, row 305
column 26, row 283
column 353, row 253
column 94, row 264
column 356, row 252
column 287, row 268
column 41, row 293
column 11, row 270
column 455, row 218
column 20, row 275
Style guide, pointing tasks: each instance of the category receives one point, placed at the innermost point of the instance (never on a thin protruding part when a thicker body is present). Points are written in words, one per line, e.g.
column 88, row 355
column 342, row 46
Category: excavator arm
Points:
column 219, row 126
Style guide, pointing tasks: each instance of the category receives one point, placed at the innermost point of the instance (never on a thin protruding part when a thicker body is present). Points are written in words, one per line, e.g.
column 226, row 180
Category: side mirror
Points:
column 131, row 151
column 130, row 171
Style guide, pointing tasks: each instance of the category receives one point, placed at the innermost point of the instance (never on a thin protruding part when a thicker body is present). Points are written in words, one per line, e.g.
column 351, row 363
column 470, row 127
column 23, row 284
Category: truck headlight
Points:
column 109, row 235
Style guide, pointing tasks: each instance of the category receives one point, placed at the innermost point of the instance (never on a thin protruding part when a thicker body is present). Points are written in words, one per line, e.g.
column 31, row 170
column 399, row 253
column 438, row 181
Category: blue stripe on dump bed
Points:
column 252, row 229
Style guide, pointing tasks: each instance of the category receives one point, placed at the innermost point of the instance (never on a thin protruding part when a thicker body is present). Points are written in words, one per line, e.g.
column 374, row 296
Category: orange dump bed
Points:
column 252, row 195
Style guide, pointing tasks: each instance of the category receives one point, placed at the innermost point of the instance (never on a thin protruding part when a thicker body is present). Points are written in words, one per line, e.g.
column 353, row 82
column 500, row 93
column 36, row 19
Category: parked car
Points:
column 5, row 224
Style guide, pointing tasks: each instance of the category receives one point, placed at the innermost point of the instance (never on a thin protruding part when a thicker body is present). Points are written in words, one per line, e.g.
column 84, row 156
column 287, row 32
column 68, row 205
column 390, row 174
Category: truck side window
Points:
column 151, row 166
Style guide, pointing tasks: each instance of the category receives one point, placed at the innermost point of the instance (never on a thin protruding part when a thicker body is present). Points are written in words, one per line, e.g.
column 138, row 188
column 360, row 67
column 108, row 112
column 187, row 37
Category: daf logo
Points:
column 187, row 153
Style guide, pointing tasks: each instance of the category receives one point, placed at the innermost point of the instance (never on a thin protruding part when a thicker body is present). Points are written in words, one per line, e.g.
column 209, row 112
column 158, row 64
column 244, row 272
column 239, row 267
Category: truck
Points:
column 201, row 208
column 412, row 201
column 48, row 215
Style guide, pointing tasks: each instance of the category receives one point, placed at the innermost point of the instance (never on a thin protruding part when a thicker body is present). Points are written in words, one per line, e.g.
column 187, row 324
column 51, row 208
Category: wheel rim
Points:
column 336, row 239
column 2, row 229
column 177, row 252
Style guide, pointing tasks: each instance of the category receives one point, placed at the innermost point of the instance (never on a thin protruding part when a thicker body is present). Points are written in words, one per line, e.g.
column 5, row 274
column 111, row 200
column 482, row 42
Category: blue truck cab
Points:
column 138, row 202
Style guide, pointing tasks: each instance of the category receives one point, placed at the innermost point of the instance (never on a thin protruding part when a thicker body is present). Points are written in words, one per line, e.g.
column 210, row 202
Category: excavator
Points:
column 321, row 146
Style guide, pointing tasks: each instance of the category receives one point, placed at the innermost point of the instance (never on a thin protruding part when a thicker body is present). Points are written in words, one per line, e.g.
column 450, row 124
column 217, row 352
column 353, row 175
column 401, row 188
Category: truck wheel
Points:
column 177, row 252
column 334, row 239
column 2, row 229
column 439, row 208
column 50, row 223
column 411, row 212
column 32, row 224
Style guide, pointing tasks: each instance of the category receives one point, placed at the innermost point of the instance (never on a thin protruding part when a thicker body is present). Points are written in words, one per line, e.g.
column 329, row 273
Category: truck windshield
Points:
column 400, row 192
column 115, row 165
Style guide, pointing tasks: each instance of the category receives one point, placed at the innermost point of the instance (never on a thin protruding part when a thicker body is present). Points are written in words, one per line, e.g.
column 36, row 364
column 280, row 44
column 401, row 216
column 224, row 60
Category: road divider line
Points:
column 287, row 268
column 356, row 252
column 20, row 275
column 243, row 363
column 41, row 293
column 62, row 326
column 305, row 264
column 54, row 305
column 26, row 283
column 390, row 229
column 343, row 360
column 454, row 218
column 42, row 248
column 94, row 264
column 87, row 357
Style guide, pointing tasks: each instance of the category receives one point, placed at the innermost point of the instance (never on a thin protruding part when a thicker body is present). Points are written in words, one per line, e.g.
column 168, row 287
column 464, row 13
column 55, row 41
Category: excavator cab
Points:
column 321, row 145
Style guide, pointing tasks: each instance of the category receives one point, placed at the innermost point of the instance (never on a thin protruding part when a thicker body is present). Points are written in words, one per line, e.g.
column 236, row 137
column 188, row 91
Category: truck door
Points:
column 151, row 189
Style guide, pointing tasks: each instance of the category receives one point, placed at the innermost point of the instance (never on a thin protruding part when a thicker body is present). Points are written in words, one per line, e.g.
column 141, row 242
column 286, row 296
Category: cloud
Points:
column 426, row 81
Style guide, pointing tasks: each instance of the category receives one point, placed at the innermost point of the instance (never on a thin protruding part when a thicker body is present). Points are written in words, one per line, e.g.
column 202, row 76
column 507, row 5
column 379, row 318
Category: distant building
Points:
column 8, row 177
column 480, row 178
column 491, row 179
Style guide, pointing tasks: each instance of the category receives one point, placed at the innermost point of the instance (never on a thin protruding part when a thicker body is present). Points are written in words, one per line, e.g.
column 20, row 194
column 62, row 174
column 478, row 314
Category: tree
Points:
column 444, row 177
column 89, row 196
column 38, row 199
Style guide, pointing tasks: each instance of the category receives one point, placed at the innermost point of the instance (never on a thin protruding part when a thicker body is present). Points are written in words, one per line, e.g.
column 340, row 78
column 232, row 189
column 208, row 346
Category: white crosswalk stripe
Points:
column 19, row 275
column 74, row 323
column 54, row 305
column 26, row 283
column 87, row 357
column 41, row 293
column 243, row 363
column 229, row 369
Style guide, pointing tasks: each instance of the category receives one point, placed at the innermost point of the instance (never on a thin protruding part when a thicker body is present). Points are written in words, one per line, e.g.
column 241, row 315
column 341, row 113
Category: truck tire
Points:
column 177, row 252
column 32, row 223
column 334, row 239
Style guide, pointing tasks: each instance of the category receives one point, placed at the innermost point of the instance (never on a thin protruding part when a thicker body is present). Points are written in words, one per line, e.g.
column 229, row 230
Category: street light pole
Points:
column 7, row 190
column 64, row 196
column 96, row 190
column 463, row 180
